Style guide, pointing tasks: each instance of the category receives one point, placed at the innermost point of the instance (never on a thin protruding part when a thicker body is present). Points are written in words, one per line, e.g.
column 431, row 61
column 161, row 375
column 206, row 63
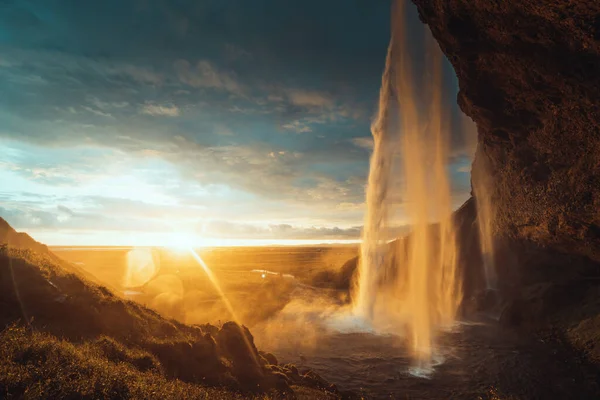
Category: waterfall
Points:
column 410, row 283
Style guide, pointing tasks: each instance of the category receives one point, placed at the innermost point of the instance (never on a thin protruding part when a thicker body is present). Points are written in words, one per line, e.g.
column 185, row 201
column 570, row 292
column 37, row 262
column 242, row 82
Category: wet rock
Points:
column 292, row 372
column 528, row 76
column 278, row 381
column 337, row 279
column 530, row 308
column 293, row 369
column 237, row 344
column 189, row 361
column 208, row 328
column 269, row 357
column 277, row 368
column 314, row 380
column 514, row 313
column 488, row 300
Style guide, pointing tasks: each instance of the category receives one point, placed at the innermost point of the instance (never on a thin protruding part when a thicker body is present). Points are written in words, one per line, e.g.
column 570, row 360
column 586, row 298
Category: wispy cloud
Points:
column 182, row 123
column 297, row 127
column 228, row 229
column 98, row 112
column 306, row 98
column 160, row 110
column 363, row 142
column 107, row 105
column 223, row 130
column 205, row 74
column 137, row 73
column 233, row 52
column 61, row 67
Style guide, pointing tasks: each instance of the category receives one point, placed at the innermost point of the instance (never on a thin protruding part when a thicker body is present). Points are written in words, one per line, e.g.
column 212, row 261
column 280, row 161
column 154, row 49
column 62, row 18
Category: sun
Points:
column 181, row 242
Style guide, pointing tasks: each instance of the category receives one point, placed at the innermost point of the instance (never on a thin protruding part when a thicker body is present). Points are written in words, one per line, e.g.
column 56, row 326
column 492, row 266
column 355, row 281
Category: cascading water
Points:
column 411, row 283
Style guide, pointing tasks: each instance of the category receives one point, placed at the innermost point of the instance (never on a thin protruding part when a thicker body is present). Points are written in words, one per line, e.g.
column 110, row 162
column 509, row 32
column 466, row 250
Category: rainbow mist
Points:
column 409, row 284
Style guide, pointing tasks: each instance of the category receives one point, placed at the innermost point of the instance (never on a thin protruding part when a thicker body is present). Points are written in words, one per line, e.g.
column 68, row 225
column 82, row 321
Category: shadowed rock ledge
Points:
column 529, row 77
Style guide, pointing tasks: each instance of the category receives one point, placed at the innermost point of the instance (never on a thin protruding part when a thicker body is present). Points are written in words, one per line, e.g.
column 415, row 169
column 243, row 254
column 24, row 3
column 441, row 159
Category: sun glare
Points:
column 181, row 242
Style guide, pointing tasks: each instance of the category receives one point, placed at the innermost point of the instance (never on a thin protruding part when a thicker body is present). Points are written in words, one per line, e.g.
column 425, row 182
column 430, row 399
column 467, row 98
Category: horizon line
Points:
column 215, row 243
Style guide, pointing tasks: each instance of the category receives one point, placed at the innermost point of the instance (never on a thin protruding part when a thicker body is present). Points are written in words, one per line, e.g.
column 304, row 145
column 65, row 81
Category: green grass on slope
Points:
column 36, row 365
column 67, row 338
column 40, row 366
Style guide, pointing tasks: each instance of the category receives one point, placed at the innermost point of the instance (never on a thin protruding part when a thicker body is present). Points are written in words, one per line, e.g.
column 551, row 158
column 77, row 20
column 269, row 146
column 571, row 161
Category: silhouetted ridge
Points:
column 38, row 293
column 21, row 240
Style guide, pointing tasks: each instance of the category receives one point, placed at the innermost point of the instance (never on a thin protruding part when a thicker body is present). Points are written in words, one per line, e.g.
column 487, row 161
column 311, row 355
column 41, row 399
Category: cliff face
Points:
column 529, row 76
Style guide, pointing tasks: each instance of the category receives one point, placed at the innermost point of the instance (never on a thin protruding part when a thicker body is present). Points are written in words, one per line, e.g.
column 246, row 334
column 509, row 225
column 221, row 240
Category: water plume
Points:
column 411, row 283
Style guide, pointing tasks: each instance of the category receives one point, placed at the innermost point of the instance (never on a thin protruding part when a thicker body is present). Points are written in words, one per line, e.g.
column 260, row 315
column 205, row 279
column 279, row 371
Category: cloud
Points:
column 221, row 129
column 47, row 174
column 330, row 189
column 363, row 142
column 5, row 63
column 233, row 52
column 62, row 67
column 206, row 75
column 235, row 83
column 160, row 110
column 228, row 229
column 65, row 210
column 105, row 105
column 98, row 112
column 275, row 98
column 297, row 127
column 268, row 172
column 137, row 73
column 306, row 98
column 64, row 213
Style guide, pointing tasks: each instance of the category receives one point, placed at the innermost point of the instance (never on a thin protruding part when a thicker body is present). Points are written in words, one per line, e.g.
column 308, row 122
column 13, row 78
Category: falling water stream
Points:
column 411, row 283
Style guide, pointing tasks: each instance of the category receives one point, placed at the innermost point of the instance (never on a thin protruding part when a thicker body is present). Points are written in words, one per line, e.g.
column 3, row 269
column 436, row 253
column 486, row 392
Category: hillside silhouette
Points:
column 65, row 336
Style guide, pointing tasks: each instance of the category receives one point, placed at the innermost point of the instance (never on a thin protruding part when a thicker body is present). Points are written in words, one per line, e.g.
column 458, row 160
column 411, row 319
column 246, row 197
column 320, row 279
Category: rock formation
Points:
column 528, row 73
column 529, row 76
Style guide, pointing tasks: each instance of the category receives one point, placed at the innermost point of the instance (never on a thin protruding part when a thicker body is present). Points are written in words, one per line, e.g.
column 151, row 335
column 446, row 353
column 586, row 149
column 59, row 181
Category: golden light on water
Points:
column 416, row 287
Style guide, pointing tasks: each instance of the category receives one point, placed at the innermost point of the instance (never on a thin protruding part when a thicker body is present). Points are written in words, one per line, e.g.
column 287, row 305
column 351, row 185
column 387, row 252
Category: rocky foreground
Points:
column 64, row 336
column 529, row 77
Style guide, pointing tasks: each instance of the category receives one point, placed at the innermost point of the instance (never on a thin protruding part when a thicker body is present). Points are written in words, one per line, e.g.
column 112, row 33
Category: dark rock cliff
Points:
column 529, row 76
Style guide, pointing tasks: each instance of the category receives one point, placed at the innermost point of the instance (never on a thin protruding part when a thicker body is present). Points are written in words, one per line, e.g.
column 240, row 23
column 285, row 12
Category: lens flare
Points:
column 142, row 266
column 215, row 282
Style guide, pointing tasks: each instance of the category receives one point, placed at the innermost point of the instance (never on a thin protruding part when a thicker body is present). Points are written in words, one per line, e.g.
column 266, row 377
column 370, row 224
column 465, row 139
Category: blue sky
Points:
column 129, row 119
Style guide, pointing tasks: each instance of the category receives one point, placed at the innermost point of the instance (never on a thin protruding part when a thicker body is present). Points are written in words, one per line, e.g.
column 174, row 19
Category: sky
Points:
column 126, row 122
